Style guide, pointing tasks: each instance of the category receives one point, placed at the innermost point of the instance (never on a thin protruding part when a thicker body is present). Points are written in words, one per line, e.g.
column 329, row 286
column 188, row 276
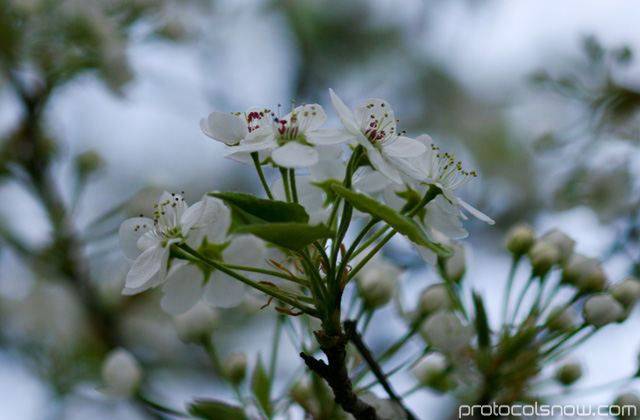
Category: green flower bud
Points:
column 543, row 256
column 627, row 292
column 569, row 373
column 578, row 268
column 562, row 241
column 520, row 238
column 595, row 283
column 432, row 299
column 434, row 373
column 454, row 266
column 602, row 309
column 88, row 163
column 444, row 330
column 235, row 368
column 561, row 319
column 377, row 284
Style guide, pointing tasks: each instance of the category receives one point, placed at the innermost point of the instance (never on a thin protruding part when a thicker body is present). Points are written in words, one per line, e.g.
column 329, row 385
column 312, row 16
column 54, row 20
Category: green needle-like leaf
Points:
column 216, row 410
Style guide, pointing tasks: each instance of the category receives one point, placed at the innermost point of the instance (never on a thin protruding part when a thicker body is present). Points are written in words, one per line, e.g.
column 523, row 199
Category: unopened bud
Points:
column 543, row 256
column 301, row 392
column 87, row 163
column 197, row 323
column 578, row 268
column 561, row 240
column 569, row 373
column 445, row 331
column 235, row 368
column 561, row 319
column 121, row 373
column 377, row 284
column 600, row 310
column 595, row 283
column 454, row 266
column 434, row 373
column 628, row 406
column 432, row 299
column 520, row 238
column 627, row 292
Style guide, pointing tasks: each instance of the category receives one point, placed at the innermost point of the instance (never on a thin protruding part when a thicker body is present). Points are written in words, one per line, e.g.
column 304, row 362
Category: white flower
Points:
column 292, row 138
column 232, row 128
column 197, row 323
column 377, row 282
column 148, row 241
column 373, row 126
column 121, row 373
column 444, row 172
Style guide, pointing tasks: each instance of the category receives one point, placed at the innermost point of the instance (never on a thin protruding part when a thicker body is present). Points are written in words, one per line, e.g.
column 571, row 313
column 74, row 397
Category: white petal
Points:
column 245, row 157
column 380, row 163
column 223, row 291
column 202, row 213
column 131, row 230
column 156, row 280
column 475, row 212
column 329, row 136
column 310, row 117
column 182, row 290
column 224, row 127
column 406, row 167
column 148, row 264
column 443, row 222
column 260, row 139
column 404, row 147
column 244, row 250
column 344, row 113
column 294, row 155
column 381, row 112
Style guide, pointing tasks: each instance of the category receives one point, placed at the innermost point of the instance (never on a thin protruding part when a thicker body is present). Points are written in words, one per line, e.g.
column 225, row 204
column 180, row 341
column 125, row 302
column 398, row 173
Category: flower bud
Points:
column 602, row 309
column 235, row 368
column 432, row 299
column 445, row 331
column 197, row 323
column 569, row 373
column 628, row 406
column 543, row 256
column 627, row 292
column 520, row 238
column 434, row 373
column 121, row 373
column 561, row 319
column 578, row 268
column 454, row 266
column 301, row 392
column 377, row 284
column 87, row 163
column 595, row 283
column 562, row 241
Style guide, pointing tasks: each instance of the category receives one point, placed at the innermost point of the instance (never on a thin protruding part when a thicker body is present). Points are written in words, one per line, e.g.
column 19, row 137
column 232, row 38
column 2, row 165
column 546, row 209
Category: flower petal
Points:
column 294, row 155
column 182, row 290
column 148, row 264
column 329, row 136
column 223, row 291
column 375, row 110
column 344, row 113
column 245, row 250
column 257, row 140
column 310, row 117
column 224, row 127
column 380, row 163
column 475, row 212
column 200, row 214
column 131, row 230
column 404, row 147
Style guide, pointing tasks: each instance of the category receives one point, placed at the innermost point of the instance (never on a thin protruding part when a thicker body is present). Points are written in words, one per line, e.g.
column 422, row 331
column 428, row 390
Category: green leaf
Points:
column 261, row 387
column 294, row 236
column 254, row 210
column 482, row 324
column 216, row 410
column 400, row 223
column 327, row 188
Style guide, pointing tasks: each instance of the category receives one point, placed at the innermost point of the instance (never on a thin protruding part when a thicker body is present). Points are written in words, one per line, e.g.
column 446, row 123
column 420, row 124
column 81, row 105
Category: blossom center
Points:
column 447, row 171
column 378, row 127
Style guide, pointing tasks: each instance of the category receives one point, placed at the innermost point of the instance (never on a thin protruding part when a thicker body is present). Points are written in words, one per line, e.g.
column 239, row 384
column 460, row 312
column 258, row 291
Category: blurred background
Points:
column 100, row 107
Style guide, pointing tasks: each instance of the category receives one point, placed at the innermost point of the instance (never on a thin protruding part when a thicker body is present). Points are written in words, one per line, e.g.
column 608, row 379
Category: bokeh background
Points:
column 100, row 103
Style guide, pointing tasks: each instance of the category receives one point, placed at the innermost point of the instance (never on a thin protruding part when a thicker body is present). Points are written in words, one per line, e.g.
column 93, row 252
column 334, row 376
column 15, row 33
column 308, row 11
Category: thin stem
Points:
column 263, row 181
column 162, row 408
column 261, row 287
column 369, row 241
column 292, row 181
column 285, row 183
column 507, row 293
column 268, row 272
column 274, row 347
column 521, row 298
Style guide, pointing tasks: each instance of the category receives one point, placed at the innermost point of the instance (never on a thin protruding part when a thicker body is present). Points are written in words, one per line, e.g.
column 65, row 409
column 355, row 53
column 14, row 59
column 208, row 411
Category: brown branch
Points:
column 337, row 376
column 356, row 339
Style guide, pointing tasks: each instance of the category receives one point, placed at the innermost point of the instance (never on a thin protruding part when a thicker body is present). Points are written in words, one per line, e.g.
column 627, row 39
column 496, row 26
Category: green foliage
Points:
column 216, row 410
column 293, row 236
column 482, row 324
column 248, row 210
column 261, row 387
column 400, row 223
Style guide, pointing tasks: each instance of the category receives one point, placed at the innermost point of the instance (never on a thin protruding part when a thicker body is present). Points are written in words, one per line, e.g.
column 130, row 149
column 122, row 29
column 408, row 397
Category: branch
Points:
column 337, row 376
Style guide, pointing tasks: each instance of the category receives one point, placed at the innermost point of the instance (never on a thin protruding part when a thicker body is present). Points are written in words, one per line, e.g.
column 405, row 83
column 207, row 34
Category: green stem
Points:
column 521, row 298
column 274, row 348
column 507, row 293
column 548, row 353
column 285, row 184
column 263, row 181
column 162, row 408
column 263, row 288
column 294, row 279
column 369, row 241
column 292, row 181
